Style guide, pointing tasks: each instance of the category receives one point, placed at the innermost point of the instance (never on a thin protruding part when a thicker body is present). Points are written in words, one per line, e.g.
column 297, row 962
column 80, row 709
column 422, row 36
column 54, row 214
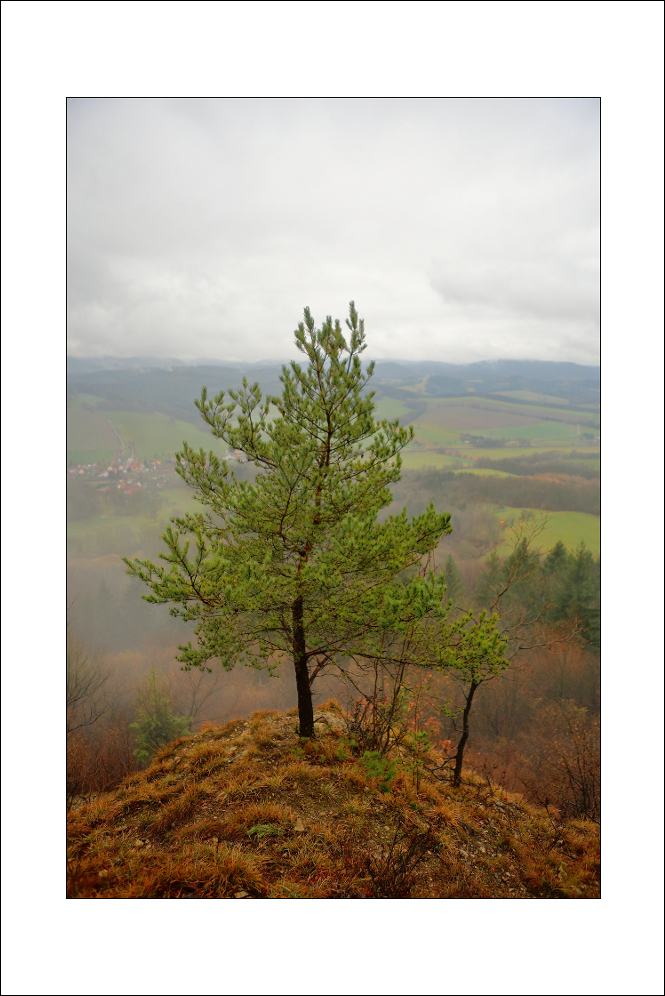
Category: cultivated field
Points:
column 569, row 528
column 451, row 434
column 89, row 432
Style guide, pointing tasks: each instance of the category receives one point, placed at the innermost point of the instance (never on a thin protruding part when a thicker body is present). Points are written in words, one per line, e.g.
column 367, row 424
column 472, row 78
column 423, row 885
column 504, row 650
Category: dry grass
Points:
column 250, row 811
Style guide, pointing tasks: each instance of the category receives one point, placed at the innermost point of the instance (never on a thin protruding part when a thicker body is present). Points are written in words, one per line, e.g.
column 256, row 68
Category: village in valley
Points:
column 128, row 475
column 124, row 485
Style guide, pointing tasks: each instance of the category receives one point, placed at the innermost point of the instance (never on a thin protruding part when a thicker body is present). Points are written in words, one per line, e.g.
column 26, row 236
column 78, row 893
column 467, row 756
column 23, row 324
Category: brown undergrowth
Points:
column 248, row 810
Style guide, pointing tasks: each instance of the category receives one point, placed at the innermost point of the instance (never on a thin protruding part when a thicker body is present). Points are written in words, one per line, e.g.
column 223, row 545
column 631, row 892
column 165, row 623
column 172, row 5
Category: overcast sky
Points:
column 464, row 229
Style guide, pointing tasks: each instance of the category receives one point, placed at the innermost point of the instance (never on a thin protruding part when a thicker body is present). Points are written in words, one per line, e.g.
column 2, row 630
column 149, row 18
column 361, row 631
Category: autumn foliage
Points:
column 249, row 810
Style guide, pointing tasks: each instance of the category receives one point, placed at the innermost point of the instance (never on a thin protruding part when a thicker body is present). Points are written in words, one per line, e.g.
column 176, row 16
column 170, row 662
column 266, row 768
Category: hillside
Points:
column 247, row 810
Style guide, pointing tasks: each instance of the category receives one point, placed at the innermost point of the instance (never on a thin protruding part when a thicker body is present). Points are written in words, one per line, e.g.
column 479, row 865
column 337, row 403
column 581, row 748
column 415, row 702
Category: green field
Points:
column 415, row 459
column 541, row 399
column 503, row 453
column 593, row 463
column 568, row 527
column 436, row 436
column 89, row 430
column 482, row 471
column 489, row 405
column 390, row 408
column 559, row 431
column 551, row 434
column 82, row 457
column 158, row 436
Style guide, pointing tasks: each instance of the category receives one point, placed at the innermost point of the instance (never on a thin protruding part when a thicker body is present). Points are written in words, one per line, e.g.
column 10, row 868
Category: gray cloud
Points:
column 463, row 229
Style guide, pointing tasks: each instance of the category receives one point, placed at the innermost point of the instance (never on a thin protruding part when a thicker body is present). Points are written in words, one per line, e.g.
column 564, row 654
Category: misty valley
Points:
column 439, row 782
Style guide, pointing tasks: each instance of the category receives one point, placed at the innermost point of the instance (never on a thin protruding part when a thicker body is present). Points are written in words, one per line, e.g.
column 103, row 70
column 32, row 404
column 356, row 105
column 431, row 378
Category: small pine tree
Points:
column 555, row 559
column 584, row 584
column 453, row 580
column 156, row 724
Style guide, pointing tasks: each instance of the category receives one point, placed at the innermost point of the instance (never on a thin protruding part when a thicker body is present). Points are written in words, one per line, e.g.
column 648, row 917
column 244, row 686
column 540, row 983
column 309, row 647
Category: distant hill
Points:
column 487, row 370
column 78, row 365
column 171, row 390
column 560, row 383
column 168, row 385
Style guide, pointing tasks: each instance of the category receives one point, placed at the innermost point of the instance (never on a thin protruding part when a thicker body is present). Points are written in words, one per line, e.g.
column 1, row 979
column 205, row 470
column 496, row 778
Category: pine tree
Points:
column 555, row 559
column 584, row 586
column 454, row 584
column 295, row 563
column 156, row 724
column 573, row 586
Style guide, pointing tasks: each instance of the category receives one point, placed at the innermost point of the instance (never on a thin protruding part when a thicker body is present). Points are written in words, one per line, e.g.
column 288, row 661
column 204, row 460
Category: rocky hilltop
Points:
column 249, row 811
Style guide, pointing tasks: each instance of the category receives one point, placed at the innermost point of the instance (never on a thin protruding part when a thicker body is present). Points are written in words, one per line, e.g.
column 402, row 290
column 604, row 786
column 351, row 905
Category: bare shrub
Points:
column 393, row 871
column 99, row 762
column 377, row 720
column 569, row 775
column 87, row 676
column 554, row 761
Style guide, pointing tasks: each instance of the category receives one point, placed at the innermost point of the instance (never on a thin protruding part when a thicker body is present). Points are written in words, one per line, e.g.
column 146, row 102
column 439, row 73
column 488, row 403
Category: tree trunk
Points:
column 305, row 707
column 459, row 757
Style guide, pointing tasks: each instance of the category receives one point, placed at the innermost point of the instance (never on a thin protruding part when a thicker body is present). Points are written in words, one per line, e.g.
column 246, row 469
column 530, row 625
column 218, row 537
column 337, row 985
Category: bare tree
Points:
column 192, row 690
column 87, row 676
